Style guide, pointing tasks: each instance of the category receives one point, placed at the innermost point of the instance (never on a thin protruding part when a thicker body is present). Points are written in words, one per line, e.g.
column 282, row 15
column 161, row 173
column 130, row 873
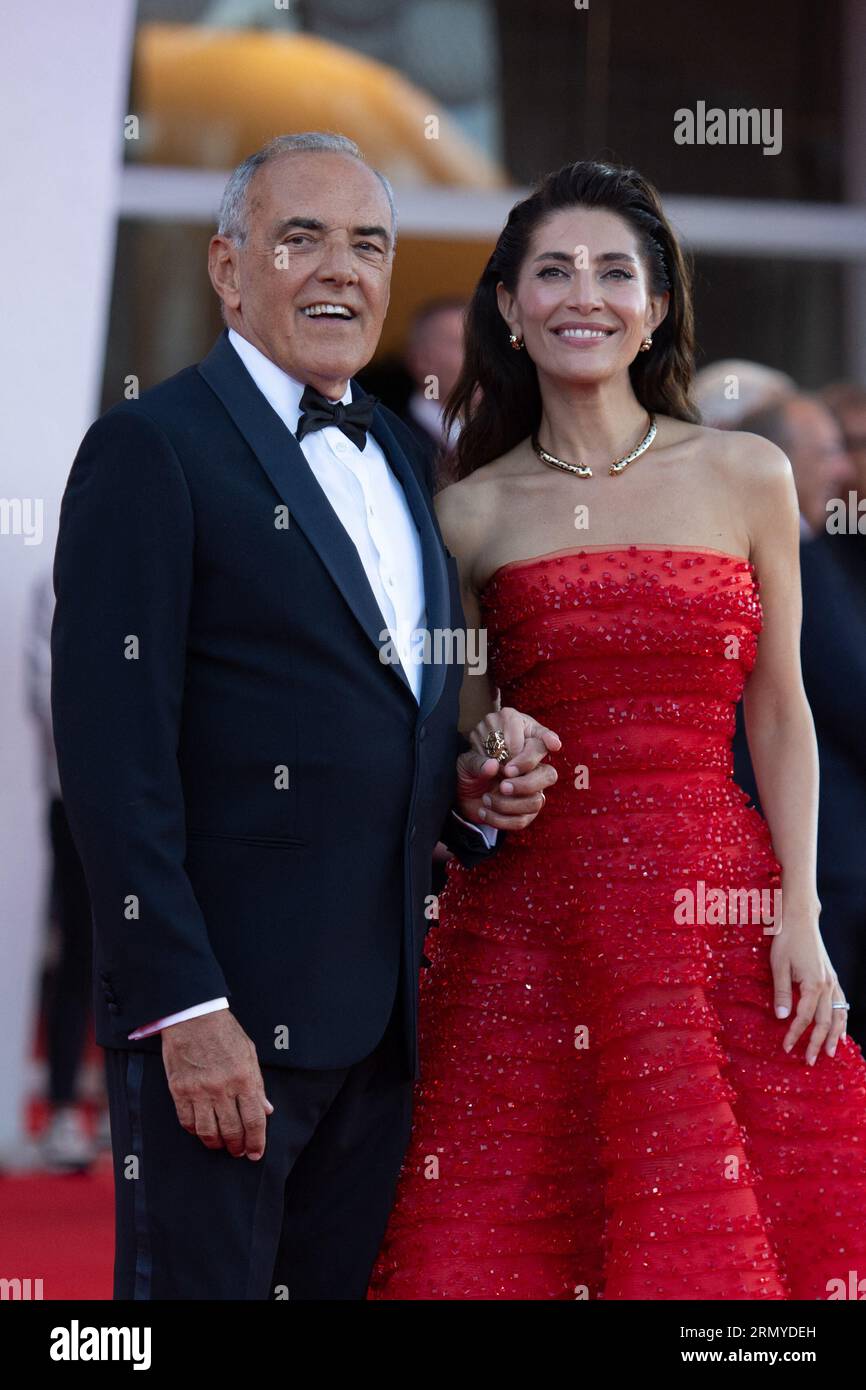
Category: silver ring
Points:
column 841, row 1006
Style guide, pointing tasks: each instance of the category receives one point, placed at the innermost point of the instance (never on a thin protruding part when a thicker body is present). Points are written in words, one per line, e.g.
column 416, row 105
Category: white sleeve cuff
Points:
column 194, row 1012
column 488, row 832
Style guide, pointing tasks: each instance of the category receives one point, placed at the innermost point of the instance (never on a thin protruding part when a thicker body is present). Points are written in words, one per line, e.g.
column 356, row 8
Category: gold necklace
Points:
column 583, row 470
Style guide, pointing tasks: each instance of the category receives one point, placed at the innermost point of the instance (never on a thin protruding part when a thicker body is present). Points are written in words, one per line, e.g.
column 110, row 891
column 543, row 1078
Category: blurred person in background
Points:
column 725, row 392
column 810, row 435
column 833, row 656
column 847, row 401
column 434, row 360
column 66, row 1144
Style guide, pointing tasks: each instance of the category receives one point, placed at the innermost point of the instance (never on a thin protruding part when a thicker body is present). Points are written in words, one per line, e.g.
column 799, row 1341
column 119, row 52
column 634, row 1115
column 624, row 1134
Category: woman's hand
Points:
column 507, row 798
column 798, row 957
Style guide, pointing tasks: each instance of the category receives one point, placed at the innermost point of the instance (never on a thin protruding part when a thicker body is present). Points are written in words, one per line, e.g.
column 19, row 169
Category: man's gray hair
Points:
column 233, row 209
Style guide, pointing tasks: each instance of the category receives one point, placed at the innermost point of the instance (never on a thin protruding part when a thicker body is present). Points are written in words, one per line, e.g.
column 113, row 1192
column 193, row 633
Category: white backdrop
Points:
column 64, row 71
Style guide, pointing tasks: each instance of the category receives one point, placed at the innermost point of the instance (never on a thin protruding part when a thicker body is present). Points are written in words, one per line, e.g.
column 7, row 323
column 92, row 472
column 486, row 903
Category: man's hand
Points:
column 507, row 798
column 216, row 1084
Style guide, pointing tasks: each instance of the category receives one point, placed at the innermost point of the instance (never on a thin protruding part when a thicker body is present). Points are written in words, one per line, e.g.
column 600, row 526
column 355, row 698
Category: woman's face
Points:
column 582, row 304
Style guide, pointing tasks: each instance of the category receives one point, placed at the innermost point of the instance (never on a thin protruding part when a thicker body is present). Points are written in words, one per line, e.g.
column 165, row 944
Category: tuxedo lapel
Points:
column 283, row 461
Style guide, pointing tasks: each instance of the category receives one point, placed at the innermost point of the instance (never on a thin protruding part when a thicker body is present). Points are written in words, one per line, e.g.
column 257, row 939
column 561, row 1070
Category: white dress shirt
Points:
column 370, row 502
column 430, row 416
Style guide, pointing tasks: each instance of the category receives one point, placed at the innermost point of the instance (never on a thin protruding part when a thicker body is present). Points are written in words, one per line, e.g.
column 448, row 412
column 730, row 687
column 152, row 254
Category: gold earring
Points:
column 516, row 343
column 646, row 345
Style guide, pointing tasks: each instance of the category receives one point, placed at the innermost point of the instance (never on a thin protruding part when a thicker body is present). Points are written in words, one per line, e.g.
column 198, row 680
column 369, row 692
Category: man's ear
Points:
column 222, row 267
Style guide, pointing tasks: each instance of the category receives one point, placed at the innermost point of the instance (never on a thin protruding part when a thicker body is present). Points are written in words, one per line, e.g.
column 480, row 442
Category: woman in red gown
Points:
column 636, row 1080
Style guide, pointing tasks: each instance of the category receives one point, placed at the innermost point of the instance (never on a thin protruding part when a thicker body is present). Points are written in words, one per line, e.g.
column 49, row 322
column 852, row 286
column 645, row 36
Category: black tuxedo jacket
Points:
column 254, row 793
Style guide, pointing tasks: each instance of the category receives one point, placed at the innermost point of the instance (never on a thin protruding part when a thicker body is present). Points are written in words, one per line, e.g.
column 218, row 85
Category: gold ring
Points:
column 496, row 747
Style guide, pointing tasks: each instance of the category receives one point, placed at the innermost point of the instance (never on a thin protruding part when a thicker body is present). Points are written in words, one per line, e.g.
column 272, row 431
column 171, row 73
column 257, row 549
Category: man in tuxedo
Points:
column 257, row 762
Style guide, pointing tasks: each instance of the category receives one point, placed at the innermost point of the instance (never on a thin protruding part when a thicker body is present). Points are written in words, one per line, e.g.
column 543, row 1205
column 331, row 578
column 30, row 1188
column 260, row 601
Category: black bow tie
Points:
column 317, row 412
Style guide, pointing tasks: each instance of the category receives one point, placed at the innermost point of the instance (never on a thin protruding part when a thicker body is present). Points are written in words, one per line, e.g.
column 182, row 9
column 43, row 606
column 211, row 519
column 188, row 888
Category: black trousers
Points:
column 304, row 1222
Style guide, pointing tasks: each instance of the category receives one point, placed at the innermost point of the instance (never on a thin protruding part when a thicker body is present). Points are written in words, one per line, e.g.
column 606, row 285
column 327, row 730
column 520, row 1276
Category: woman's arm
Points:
column 462, row 530
column 781, row 738
column 506, row 798
column 779, row 726
column 478, row 695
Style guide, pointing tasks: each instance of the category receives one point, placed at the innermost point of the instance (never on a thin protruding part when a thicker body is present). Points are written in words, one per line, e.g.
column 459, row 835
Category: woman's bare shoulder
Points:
column 759, row 472
column 736, row 458
column 468, row 509
column 754, row 456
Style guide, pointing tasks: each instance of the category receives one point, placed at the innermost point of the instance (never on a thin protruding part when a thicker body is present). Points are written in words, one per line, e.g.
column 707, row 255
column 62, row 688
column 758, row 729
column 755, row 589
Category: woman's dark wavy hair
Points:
column 496, row 397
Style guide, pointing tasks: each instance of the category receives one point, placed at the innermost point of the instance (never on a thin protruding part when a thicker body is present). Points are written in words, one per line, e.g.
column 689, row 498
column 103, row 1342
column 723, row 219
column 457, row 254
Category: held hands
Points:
column 216, row 1084
column 798, row 957
column 507, row 797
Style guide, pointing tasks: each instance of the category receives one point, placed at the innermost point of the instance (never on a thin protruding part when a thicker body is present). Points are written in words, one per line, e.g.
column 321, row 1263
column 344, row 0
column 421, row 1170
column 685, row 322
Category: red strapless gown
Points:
column 606, row 1110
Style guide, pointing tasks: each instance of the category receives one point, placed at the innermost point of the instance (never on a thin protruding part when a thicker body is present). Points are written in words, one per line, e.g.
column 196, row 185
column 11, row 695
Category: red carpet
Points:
column 59, row 1230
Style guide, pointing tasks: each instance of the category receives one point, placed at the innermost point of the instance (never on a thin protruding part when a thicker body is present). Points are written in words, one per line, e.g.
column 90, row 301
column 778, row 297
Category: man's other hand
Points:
column 216, row 1083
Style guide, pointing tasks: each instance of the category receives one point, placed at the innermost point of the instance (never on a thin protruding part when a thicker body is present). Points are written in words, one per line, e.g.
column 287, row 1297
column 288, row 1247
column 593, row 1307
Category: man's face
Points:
column 821, row 466
column 853, row 420
column 318, row 234
column 438, row 351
